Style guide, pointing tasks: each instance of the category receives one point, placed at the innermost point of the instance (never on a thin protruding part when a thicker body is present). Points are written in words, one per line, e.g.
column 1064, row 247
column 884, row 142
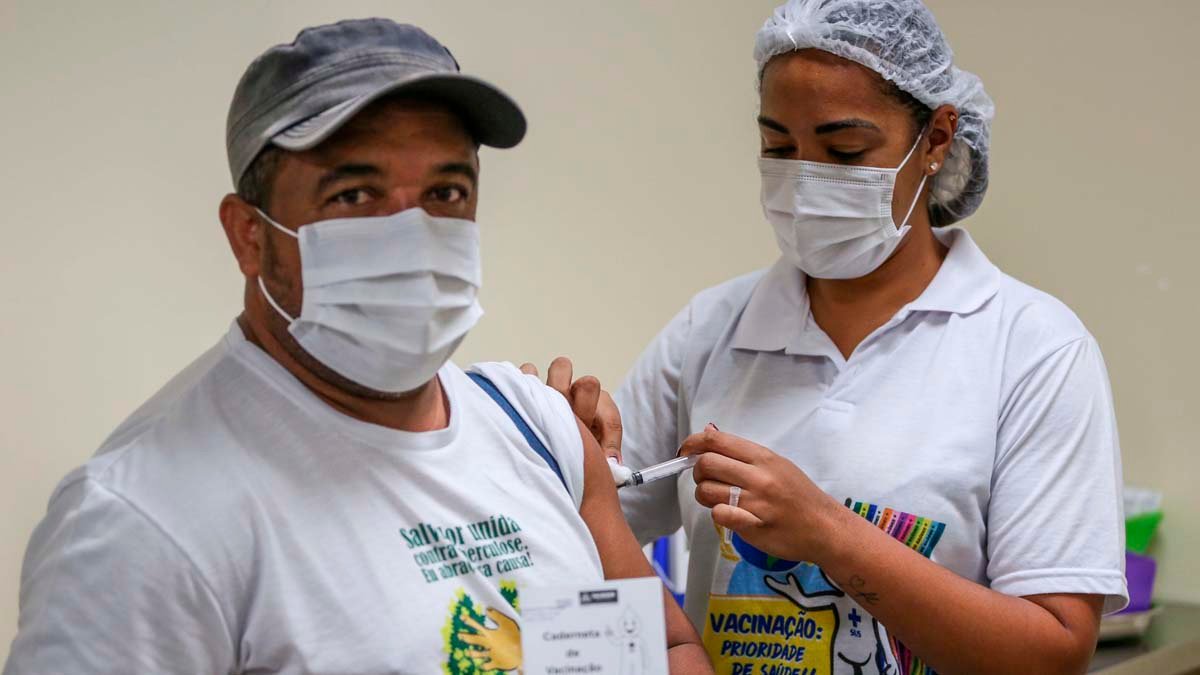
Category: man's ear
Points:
column 243, row 229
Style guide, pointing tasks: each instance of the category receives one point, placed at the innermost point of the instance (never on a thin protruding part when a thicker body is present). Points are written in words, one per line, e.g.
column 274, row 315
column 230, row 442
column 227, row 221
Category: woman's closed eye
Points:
column 846, row 155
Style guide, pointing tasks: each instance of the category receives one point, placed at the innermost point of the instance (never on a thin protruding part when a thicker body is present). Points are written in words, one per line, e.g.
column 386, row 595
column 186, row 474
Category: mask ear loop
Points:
column 293, row 235
column 921, row 186
column 263, row 287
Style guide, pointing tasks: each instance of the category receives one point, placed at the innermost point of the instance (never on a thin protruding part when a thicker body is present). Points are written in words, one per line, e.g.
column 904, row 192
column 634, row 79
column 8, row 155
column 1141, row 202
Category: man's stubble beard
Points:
column 278, row 327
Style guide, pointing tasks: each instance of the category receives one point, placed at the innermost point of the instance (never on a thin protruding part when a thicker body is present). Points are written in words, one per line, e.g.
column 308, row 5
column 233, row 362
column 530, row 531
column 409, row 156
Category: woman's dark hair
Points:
column 920, row 113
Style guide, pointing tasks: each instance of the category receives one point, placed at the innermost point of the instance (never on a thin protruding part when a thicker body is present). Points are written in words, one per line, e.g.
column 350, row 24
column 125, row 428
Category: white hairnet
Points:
column 900, row 40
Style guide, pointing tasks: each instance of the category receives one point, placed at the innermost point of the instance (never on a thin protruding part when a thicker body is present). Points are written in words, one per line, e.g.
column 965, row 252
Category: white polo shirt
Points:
column 976, row 426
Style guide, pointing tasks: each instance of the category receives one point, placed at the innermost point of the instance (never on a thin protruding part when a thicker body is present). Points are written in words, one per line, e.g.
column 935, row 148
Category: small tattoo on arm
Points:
column 858, row 587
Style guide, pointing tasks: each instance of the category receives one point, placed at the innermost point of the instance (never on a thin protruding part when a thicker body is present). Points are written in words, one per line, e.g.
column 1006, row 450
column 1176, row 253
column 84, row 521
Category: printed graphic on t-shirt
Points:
column 477, row 638
column 490, row 547
column 482, row 640
column 770, row 616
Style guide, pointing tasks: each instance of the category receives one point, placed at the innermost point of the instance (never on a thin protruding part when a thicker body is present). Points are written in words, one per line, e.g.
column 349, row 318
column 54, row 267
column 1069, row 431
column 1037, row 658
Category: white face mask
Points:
column 833, row 221
column 387, row 299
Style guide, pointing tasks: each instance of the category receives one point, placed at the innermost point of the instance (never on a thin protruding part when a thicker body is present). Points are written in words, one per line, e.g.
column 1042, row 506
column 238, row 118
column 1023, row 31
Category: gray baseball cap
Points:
column 297, row 95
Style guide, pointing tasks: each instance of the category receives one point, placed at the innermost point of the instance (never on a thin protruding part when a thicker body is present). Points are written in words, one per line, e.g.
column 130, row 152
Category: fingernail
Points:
column 713, row 426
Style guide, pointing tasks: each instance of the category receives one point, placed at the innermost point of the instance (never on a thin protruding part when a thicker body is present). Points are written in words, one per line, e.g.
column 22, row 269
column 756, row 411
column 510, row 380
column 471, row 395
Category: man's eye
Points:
column 781, row 151
column 351, row 197
column 449, row 194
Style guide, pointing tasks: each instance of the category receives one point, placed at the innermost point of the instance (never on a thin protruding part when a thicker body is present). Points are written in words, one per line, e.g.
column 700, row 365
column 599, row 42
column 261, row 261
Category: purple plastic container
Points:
column 1139, row 574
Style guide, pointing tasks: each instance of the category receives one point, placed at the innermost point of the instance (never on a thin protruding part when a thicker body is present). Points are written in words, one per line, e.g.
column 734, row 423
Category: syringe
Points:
column 667, row 469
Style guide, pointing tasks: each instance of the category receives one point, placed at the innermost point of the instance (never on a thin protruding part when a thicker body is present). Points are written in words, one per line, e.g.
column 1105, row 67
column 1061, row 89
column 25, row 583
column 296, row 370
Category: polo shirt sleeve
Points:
column 1055, row 518
column 104, row 590
column 649, row 404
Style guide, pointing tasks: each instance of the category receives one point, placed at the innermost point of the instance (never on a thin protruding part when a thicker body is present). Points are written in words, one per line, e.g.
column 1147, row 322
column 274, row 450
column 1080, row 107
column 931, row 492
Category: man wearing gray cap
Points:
column 324, row 491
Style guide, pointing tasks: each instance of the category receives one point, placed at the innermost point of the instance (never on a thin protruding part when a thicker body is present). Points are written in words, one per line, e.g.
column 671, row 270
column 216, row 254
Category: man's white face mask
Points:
column 387, row 299
column 833, row 221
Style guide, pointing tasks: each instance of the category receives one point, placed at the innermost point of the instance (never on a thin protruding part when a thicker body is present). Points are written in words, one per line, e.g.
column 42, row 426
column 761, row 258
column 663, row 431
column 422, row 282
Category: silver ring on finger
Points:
column 735, row 495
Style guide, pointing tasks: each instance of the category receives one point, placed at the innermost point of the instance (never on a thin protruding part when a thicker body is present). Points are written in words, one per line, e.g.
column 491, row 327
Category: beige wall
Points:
column 636, row 187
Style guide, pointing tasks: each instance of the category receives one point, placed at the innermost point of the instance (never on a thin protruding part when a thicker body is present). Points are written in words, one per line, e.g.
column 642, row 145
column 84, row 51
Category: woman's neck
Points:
column 849, row 310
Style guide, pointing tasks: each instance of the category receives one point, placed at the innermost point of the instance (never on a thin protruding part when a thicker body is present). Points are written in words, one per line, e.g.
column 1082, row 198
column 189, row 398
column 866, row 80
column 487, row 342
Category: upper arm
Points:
column 1055, row 521
column 620, row 554
column 1079, row 615
column 103, row 590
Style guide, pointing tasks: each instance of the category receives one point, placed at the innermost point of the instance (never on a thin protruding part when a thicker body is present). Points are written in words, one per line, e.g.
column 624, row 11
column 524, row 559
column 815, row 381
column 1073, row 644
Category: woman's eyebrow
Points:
column 771, row 124
column 852, row 123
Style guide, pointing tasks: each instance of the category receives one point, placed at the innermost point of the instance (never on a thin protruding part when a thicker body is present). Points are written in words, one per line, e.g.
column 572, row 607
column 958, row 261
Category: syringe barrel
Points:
column 668, row 468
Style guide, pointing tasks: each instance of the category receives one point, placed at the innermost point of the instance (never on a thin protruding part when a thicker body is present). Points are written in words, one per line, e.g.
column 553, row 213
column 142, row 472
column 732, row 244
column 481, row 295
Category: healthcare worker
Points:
column 912, row 461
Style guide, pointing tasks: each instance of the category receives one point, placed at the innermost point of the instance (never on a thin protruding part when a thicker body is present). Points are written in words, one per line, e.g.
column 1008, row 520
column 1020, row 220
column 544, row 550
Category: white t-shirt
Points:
column 237, row 524
column 976, row 425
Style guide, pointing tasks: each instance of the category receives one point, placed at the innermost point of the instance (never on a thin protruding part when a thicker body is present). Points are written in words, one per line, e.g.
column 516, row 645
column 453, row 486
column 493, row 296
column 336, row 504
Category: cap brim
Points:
column 492, row 117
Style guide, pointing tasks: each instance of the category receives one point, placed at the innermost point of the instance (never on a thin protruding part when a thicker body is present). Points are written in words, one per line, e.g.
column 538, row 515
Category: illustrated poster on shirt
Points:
column 769, row 616
column 477, row 638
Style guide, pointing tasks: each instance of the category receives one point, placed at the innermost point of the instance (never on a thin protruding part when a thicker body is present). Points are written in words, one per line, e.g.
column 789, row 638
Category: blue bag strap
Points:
column 534, row 442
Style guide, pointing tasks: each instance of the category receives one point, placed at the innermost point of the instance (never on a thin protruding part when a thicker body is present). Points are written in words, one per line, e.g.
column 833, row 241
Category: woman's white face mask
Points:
column 387, row 299
column 830, row 220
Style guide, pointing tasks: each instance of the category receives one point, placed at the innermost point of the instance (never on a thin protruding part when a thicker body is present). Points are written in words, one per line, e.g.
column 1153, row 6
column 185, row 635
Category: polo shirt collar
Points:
column 966, row 280
column 777, row 316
